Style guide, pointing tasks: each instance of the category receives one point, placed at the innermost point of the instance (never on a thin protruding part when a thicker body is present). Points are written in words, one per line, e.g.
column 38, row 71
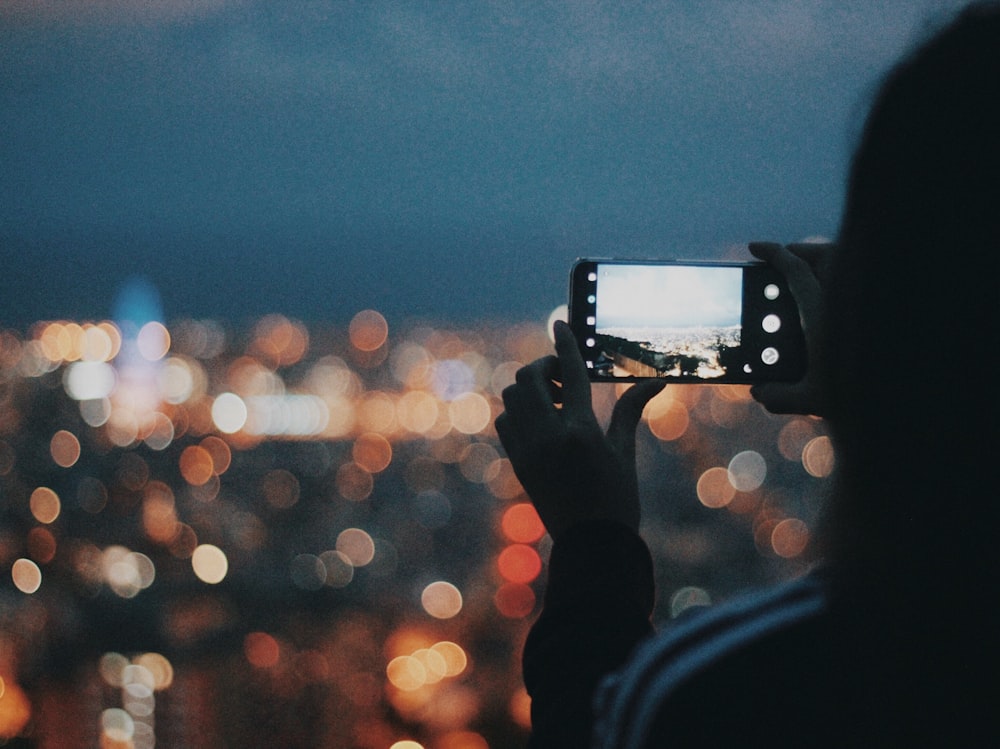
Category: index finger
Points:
column 817, row 254
column 796, row 266
column 575, row 382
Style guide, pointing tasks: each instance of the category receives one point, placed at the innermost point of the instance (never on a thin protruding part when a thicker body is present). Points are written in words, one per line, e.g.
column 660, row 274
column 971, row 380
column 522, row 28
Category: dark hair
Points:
column 913, row 315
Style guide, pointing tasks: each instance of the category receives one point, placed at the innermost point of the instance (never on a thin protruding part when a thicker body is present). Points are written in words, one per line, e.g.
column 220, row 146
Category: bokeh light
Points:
column 64, row 448
column 789, row 537
column 350, row 491
column 354, row 482
column 41, row 545
column 818, row 457
column 357, row 546
column 229, row 413
column 196, row 465
column 45, row 505
column 88, row 381
column 153, row 341
column 747, row 470
column 667, row 417
column 26, row 575
column 281, row 488
column 519, row 563
column 210, row 563
column 372, row 452
column 368, row 330
column 714, row 487
column 117, row 726
column 687, row 597
column 521, row 524
column 515, row 600
column 261, row 650
column 441, row 600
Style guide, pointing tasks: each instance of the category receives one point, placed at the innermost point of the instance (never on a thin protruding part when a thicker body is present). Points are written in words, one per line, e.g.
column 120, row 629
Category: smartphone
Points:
column 686, row 321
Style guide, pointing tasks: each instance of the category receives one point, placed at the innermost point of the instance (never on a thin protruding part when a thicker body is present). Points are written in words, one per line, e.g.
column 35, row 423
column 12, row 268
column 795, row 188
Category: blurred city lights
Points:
column 715, row 488
column 817, row 457
column 747, row 470
column 26, row 575
column 210, row 563
column 329, row 511
column 229, row 413
column 441, row 600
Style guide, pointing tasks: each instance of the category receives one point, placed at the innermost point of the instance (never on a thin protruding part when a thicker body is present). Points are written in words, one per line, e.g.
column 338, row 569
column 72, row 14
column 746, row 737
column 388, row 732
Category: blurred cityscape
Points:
column 289, row 536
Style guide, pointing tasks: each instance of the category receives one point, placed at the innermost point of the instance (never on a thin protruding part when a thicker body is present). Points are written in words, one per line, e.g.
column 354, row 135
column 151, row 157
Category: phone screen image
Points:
column 686, row 321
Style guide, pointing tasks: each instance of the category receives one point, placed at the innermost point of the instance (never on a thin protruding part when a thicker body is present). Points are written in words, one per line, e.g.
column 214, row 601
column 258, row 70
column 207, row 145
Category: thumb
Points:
column 627, row 412
column 779, row 398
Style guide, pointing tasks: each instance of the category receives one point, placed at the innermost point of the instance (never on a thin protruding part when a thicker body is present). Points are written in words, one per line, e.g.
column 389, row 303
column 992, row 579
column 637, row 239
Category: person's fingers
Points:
column 533, row 382
column 798, row 273
column 798, row 398
column 777, row 398
column 505, row 433
column 764, row 250
column 626, row 414
column 811, row 252
column 576, row 396
column 529, row 409
column 793, row 267
column 817, row 254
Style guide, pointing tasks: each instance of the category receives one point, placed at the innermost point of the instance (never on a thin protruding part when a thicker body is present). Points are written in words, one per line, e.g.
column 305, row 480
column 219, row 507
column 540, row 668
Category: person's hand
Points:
column 805, row 267
column 571, row 470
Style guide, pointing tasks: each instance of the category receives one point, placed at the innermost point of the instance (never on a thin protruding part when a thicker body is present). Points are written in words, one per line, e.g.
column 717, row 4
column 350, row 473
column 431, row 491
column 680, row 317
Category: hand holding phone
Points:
column 685, row 321
column 806, row 267
column 572, row 470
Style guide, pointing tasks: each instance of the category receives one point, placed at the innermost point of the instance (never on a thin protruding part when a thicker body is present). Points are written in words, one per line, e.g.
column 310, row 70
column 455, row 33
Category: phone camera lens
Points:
column 769, row 355
column 771, row 323
column 771, row 291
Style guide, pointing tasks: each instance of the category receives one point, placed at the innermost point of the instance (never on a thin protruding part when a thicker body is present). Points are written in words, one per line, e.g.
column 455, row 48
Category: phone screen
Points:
column 686, row 321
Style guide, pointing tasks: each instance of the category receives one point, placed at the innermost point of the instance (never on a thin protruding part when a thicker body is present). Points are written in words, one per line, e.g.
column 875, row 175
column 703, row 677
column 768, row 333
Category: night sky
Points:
column 432, row 160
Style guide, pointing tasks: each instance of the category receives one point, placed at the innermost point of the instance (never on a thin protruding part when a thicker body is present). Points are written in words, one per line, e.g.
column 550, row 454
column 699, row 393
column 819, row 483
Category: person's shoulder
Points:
column 706, row 635
column 709, row 657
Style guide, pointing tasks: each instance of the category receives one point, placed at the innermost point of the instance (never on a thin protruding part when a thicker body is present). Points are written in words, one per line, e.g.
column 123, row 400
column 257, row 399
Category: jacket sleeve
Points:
column 596, row 609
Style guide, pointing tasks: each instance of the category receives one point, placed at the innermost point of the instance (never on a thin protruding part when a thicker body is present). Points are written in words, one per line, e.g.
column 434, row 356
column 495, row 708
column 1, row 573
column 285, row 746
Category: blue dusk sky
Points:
column 432, row 160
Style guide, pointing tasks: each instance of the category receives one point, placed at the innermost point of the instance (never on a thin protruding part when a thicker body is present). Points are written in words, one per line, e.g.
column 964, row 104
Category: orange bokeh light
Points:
column 668, row 418
column 354, row 482
column 714, row 488
column 45, row 505
column 372, row 452
column 41, row 545
column 515, row 600
column 220, row 453
column 64, row 448
column 261, row 650
column 521, row 524
column 280, row 340
column 368, row 330
column 789, row 538
column 196, row 465
column 519, row 563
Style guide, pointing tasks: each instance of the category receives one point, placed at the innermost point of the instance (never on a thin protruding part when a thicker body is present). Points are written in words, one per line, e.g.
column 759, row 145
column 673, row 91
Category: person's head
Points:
column 914, row 304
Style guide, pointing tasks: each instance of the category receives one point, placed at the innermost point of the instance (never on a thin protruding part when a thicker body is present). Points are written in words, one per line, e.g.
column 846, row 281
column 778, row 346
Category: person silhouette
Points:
column 891, row 639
